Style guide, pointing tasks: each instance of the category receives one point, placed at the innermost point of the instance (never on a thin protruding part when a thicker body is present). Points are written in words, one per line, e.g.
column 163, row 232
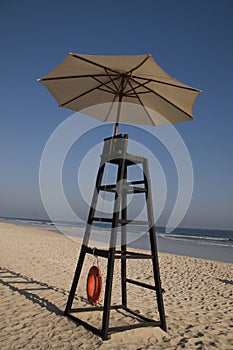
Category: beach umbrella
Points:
column 128, row 89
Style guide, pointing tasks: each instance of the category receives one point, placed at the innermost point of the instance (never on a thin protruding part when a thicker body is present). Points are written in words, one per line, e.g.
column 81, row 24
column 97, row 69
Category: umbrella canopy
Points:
column 130, row 89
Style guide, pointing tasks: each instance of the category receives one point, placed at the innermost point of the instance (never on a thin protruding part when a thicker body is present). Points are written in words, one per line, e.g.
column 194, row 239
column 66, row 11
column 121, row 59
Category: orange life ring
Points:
column 94, row 285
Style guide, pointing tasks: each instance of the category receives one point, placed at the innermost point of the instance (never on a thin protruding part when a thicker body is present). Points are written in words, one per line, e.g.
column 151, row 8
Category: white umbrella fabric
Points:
column 128, row 89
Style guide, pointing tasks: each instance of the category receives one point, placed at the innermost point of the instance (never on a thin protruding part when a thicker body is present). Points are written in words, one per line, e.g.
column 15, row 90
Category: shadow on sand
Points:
column 26, row 286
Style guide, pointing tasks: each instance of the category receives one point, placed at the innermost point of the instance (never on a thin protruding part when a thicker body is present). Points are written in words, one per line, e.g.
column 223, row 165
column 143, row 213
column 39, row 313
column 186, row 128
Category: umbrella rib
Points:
column 136, row 87
column 139, row 93
column 94, row 63
column 110, row 77
column 165, row 99
column 141, row 103
column 83, row 94
column 139, row 65
column 165, row 83
column 125, row 82
column 105, row 83
column 76, row 77
column 108, row 91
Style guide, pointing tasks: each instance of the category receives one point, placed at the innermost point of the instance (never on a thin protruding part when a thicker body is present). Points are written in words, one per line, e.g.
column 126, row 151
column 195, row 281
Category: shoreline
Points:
column 197, row 250
column 189, row 249
column 36, row 272
column 182, row 247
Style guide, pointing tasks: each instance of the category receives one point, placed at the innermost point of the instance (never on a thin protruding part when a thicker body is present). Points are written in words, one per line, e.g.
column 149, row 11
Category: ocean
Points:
column 196, row 242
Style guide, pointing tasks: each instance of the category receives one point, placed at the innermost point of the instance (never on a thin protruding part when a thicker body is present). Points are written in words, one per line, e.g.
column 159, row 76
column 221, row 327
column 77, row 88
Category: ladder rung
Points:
column 133, row 326
column 122, row 221
column 140, row 284
column 120, row 254
column 128, row 188
column 98, row 252
column 141, row 316
column 96, row 308
column 102, row 219
column 134, row 255
column 139, row 182
column 134, row 189
column 107, row 188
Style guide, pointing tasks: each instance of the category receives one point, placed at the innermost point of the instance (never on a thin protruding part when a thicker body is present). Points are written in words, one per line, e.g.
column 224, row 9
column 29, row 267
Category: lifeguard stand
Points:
column 115, row 151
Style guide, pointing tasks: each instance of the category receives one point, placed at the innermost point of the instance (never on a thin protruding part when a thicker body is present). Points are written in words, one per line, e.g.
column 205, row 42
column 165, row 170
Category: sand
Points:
column 36, row 273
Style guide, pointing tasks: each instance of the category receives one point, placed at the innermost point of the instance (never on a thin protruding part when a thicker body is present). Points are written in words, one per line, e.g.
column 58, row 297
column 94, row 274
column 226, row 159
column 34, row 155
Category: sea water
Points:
column 204, row 243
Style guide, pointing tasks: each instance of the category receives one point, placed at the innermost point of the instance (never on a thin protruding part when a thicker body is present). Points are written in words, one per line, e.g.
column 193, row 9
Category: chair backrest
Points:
column 114, row 148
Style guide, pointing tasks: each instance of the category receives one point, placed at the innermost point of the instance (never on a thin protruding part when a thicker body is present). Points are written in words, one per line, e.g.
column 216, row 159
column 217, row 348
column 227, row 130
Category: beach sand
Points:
column 37, row 269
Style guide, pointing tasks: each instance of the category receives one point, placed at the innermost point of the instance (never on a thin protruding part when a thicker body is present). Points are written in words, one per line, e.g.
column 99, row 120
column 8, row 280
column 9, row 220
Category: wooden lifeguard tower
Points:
column 115, row 152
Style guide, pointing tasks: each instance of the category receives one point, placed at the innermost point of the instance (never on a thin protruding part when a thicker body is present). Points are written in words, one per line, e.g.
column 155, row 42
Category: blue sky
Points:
column 191, row 40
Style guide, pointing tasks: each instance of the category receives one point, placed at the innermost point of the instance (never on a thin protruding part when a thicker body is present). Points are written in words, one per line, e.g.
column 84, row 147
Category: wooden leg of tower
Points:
column 124, row 242
column 85, row 242
column 112, row 249
column 153, row 244
column 93, row 205
column 75, row 280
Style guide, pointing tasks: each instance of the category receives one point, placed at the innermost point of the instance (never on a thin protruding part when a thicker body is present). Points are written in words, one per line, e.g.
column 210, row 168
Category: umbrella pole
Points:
column 116, row 128
column 118, row 114
column 117, row 118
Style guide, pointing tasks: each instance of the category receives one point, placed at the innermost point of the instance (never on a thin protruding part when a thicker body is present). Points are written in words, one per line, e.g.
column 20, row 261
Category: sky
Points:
column 191, row 40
